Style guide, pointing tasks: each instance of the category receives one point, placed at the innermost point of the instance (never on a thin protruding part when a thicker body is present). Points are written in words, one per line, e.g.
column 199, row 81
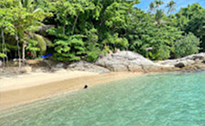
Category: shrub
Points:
column 188, row 45
column 71, row 49
column 93, row 52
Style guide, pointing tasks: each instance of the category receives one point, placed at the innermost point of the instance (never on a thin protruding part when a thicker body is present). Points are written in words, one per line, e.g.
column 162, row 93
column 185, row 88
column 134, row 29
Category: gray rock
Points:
column 59, row 65
column 126, row 61
column 85, row 66
column 186, row 61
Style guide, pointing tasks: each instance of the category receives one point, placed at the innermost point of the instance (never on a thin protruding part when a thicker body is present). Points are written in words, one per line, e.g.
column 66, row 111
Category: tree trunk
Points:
column 19, row 55
column 64, row 29
column 3, row 44
column 23, row 52
column 76, row 19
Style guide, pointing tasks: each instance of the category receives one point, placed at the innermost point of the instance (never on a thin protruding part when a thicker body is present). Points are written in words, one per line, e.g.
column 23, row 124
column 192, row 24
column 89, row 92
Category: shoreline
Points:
column 26, row 94
column 19, row 94
column 39, row 78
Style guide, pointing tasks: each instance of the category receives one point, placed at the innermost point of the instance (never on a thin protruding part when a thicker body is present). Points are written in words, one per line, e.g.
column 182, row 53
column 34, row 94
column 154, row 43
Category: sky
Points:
column 144, row 4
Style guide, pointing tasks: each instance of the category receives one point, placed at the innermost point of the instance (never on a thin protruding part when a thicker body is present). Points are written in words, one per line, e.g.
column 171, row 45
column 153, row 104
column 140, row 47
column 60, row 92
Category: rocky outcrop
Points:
column 185, row 61
column 192, row 62
column 85, row 66
column 130, row 61
column 127, row 61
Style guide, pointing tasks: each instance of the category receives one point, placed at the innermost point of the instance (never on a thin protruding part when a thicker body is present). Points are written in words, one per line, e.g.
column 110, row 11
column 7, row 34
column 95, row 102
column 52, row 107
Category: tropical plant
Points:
column 92, row 52
column 41, row 42
column 152, row 7
column 83, row 29
column 2, row 55
column 191, row 19
column 171, row 6
column 187, row 45
column 197, row 26
column 187, row 13
column 115, row 41
column 70, row 49
column 26, row 19
column 159, row 16
column 6, row 27
column 158, row 3
column 150, row 40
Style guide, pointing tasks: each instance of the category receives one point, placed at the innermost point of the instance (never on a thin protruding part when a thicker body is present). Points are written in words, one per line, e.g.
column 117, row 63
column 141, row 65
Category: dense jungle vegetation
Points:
column 73, row 30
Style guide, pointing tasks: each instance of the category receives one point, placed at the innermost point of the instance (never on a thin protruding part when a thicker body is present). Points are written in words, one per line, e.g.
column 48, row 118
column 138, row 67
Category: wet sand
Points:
column 28, row 89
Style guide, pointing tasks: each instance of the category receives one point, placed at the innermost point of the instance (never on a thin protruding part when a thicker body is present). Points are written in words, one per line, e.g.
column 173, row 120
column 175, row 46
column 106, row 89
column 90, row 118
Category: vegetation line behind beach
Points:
column 72, row 30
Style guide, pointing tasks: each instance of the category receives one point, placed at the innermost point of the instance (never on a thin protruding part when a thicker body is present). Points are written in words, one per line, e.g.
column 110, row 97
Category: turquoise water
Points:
column 176, row 99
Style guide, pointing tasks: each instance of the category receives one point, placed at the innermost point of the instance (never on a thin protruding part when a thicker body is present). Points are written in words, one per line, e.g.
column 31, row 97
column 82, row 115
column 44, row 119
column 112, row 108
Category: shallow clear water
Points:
column 176, row 99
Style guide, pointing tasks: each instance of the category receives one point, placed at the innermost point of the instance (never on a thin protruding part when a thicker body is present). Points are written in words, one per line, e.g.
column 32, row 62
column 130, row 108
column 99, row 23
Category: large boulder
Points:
column 85, row 66
column 126, row 61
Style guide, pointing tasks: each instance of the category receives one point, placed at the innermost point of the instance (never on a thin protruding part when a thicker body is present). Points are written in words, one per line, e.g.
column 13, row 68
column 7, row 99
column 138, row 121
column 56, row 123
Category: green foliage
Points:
column 192, row 19
column 115, row 41
column 96, row 20
column 42, row 42
column 158, row 2
column 171, row 6
column 2, row 55
column 92, row 47
column 197, row 26
column 187, row 13
column 70, row 49
column 32, row 46
column 159, row 16
column 145, row 34
column 187, row 45
column 93, row 51
column 83, row 29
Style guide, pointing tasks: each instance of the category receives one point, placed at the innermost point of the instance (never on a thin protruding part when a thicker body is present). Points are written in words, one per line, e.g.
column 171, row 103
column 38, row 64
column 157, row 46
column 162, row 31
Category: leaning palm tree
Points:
column 159, row 16
column 171, row 6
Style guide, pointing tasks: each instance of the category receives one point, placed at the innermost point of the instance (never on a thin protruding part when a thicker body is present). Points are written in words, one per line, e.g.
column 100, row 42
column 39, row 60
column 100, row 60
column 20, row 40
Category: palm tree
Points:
column 42, row 41
column 152, row 7
column 30, row 6
column 171, row 6
column 159, row 16
column 158, row 3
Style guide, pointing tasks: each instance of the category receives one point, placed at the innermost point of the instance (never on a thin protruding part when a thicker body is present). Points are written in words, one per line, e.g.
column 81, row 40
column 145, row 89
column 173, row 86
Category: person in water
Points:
column 86, row 86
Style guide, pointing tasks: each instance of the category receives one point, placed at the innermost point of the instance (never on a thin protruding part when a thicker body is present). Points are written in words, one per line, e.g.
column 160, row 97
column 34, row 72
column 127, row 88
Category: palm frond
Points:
column 159, row 16
column 42, row 41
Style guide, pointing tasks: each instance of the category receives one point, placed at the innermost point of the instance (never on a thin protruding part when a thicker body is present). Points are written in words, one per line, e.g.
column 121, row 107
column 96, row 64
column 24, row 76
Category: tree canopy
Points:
column 84, row 29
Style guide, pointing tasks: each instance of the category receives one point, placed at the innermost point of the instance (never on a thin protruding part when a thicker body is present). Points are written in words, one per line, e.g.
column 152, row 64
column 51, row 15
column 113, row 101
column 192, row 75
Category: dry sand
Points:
column 30, row 88
column 34, row 79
